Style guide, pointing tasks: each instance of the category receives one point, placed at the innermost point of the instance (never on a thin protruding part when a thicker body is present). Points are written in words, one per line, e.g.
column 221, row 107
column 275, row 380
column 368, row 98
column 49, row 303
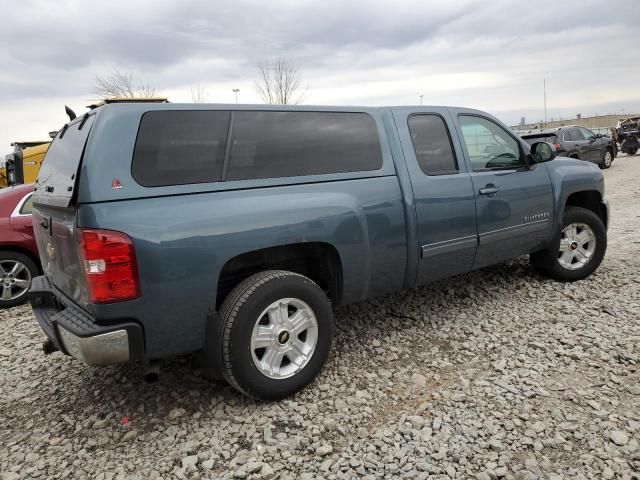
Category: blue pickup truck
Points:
column 232, row 231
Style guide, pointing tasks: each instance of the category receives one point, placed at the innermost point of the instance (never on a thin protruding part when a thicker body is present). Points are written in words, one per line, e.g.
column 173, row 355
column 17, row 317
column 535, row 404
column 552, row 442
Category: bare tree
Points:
column 121, row 84
column 199, row 94
column 280, row 82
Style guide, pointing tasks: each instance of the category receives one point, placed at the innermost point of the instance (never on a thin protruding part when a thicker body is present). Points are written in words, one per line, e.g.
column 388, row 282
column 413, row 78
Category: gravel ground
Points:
column 496, row 374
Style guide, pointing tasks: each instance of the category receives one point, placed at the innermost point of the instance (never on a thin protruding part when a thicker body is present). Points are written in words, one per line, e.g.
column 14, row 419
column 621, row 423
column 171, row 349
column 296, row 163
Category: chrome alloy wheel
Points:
column 15, row 279
column 608, row 158
column 577, row 245
column 284, row 338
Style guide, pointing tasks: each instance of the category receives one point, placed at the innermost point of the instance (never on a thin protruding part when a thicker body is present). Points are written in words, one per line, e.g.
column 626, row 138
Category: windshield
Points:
column 540, row 138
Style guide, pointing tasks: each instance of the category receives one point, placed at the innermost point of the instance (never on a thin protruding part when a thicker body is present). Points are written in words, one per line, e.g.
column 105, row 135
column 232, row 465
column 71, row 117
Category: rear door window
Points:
column 180, row 147
column 57, row 176
column 432, row 144
column 575, row 135
column 288, row 144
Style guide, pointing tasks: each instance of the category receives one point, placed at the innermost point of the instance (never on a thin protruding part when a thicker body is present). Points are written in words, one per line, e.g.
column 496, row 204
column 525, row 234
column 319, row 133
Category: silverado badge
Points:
column 537, row 216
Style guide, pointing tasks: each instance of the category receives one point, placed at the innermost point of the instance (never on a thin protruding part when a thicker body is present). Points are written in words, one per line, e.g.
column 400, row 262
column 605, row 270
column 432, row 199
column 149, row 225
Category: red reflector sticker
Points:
column 115, row 184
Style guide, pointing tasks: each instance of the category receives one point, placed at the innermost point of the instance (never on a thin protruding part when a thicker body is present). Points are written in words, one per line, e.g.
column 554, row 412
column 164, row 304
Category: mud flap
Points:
column 210, row 357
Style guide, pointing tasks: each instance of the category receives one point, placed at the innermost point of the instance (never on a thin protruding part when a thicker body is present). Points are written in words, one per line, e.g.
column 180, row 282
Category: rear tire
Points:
column 275, row 334
column 607, row 159
column 633, row 151
column 16, row 272
column 577, row 250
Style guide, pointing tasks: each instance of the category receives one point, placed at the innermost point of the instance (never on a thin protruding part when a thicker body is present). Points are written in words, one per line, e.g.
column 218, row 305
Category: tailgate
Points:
column 54, row 230
column 54, row 211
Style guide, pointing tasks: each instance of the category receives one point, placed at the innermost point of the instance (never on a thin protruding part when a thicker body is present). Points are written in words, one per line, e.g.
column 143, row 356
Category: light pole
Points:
column 544, row 87
column 421, row 99
column 236, row 90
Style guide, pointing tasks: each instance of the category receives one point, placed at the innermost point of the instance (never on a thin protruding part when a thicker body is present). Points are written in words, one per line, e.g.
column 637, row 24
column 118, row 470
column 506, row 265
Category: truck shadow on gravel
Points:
column 430, row 303
column 121, row 388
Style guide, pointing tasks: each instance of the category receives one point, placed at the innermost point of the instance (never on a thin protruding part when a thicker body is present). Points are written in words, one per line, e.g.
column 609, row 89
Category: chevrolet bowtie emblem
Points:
column 51, row 251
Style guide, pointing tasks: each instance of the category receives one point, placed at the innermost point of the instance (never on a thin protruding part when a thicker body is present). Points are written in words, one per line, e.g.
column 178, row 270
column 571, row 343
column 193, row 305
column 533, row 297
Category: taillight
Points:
column 558, row 146
column 110, row 267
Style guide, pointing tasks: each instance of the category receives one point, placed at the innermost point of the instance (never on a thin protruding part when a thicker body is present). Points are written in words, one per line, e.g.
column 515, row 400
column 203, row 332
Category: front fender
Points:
column 569, row 176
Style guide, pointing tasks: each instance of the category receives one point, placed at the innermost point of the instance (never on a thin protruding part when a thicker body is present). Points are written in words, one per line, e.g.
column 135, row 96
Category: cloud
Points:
column 486, row 54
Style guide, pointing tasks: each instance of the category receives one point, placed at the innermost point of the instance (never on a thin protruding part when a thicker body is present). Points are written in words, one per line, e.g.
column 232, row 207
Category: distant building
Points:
column 599, row 121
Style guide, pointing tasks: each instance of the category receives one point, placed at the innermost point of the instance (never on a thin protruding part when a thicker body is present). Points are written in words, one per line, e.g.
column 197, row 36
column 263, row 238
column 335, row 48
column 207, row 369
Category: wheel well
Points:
column 318, row 261
column 23, row 251
column 574, row 155
column 591, row 200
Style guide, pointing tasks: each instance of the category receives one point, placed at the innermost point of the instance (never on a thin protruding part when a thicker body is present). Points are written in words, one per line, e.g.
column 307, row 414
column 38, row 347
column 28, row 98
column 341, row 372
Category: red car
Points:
column 19, row 260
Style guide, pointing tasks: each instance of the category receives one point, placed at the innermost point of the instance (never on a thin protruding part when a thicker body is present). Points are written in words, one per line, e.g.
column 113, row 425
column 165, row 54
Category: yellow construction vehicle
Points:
column 3, row 174
column 23, row 164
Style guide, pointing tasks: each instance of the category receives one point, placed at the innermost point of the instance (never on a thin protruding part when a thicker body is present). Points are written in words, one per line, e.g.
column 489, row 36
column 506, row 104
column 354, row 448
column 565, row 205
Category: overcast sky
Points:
column 488, row 54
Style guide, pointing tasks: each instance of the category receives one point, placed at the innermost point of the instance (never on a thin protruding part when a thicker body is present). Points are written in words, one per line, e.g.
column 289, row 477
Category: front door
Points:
column 443, row 193
column 514, row 201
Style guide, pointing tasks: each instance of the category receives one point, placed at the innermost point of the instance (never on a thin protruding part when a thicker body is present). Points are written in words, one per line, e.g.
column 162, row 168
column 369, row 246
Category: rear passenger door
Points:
column 443, row 193
column 593, row 150
column 514, row 200
column 577, row 142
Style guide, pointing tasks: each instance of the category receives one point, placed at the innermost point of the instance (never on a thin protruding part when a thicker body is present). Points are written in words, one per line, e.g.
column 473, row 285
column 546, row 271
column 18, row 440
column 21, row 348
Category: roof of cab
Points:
column 144, row 105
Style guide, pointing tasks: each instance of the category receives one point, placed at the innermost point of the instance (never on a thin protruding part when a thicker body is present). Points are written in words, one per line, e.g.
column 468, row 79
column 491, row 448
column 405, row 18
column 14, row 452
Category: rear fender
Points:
column 183, row 242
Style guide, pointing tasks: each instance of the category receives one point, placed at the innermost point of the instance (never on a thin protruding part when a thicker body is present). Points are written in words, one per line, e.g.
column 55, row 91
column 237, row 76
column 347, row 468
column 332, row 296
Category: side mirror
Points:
column 542, row 152
column 599, row 135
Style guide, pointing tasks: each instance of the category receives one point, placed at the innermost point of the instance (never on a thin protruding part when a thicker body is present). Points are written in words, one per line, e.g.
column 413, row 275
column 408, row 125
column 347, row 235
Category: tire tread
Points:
column 229, row 312
column 546, row 263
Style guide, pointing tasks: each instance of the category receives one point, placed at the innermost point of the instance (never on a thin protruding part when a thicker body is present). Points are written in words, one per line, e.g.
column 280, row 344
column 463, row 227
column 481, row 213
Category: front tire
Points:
column 16, row 272
column 276, row 329
column 577, row 250
column 633, row 151
column 607, row 159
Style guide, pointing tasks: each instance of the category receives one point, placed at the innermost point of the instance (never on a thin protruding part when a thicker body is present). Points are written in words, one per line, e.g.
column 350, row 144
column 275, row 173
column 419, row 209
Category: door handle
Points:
column 489, row 190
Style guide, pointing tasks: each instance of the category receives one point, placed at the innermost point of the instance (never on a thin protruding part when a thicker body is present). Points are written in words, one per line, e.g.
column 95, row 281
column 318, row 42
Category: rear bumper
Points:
column 74, row 332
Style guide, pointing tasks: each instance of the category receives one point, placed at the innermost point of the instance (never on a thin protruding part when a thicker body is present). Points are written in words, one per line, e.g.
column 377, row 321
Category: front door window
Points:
column 490, row 147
